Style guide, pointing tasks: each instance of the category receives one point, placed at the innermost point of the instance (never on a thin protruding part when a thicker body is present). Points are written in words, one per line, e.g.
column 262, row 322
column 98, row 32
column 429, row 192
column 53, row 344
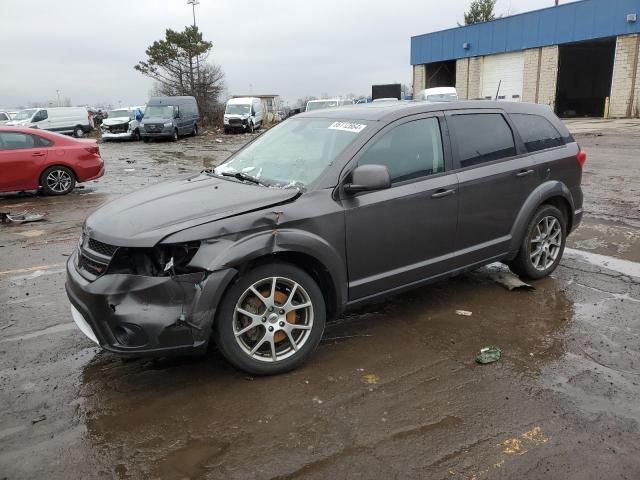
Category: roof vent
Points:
column 631, row 17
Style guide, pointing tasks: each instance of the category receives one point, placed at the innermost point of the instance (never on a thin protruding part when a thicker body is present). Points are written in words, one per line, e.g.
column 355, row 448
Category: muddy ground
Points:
column 392, row 392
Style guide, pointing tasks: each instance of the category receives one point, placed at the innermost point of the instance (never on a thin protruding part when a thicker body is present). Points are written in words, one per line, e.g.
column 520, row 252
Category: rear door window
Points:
column 482, row 138
column 537, row 132
column 16, row 141
column 410, row 150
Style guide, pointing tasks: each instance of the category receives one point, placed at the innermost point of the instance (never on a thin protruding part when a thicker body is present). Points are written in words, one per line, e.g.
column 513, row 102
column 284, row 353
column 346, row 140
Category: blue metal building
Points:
column 576, row 57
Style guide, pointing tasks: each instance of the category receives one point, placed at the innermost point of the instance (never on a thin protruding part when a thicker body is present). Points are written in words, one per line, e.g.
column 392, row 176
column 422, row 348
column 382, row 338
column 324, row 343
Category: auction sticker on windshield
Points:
column 347, row 127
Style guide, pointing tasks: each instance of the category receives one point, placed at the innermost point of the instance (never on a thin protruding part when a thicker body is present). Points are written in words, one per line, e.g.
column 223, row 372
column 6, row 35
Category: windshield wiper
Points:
column 243, row 177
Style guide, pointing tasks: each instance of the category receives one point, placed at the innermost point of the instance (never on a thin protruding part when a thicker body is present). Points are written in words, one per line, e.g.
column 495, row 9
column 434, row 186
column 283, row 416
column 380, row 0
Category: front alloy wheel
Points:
column 271, row 320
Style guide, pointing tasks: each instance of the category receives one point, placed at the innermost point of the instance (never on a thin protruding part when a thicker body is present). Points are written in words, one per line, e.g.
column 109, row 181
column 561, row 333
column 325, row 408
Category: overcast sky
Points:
column 87, row 49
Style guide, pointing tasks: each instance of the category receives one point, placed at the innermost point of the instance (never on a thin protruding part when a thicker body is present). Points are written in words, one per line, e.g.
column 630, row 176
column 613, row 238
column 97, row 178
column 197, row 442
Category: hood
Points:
column 143, row 218
column 115, row 120
column 236, row 115
column 156, row 120
column 18, row 123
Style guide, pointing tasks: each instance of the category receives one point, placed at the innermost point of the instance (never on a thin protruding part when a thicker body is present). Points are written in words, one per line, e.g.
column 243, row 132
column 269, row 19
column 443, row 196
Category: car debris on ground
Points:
column 24, row 217
column 464, row 313
column 489, row 355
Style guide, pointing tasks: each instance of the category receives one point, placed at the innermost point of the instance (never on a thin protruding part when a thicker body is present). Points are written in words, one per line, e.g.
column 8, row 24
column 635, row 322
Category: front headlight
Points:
column 168, row 124
column 226, row 121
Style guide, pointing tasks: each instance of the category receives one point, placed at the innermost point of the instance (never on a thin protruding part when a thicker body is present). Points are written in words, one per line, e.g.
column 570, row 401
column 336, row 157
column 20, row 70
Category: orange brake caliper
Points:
column 281, row 298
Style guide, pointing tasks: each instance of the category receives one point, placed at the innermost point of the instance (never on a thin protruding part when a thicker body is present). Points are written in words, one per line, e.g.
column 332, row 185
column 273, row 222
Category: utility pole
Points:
column 58, row 94
column 193, row 4
column 557, row 2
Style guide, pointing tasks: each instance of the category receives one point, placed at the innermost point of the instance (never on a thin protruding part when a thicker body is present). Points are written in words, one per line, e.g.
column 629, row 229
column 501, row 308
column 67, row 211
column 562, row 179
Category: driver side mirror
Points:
column 366, row 178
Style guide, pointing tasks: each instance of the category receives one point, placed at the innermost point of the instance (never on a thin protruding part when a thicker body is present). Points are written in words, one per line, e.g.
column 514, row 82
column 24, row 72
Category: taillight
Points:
column 93, row 150
column 581, row 157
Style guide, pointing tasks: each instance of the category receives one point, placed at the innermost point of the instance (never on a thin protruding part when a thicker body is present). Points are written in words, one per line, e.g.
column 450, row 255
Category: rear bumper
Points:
column 139, row 315
column 89, row 170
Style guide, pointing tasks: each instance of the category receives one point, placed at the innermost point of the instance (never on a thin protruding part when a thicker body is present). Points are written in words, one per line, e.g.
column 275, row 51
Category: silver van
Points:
column 170, row 117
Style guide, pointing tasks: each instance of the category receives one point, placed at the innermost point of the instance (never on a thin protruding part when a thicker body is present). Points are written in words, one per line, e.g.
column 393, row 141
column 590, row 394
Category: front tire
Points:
column 57, row 181
column 543, row 244
column 271, row 320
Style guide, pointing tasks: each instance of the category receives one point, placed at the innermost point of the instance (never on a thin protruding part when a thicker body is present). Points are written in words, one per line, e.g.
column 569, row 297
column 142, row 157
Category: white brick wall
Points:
column 548, row 76
column 462, row 78
column 625, row 96
column 419, row 75
column 475, row 71
column 530, row 75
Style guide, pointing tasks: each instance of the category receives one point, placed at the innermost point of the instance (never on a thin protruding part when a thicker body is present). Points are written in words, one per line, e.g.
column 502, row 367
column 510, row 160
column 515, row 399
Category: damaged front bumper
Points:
column 137, row 314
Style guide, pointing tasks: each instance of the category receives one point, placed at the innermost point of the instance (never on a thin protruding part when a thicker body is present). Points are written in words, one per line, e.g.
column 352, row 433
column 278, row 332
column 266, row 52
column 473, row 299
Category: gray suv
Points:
column 325, row 212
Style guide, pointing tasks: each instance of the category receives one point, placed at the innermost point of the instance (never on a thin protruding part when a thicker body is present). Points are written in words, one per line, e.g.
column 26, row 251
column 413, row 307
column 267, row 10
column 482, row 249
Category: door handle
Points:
column 443, row 193
column 38, row 154
column 524, row 173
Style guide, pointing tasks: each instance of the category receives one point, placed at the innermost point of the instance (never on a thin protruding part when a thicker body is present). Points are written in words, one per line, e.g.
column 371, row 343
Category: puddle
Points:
column 625, row 267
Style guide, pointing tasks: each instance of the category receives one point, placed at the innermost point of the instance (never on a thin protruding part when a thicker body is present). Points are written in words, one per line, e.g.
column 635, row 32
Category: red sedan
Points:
column 32, row 159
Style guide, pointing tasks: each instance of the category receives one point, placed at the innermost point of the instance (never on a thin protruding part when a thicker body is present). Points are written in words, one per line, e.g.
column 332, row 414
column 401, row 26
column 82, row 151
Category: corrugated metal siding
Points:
column 571, row 22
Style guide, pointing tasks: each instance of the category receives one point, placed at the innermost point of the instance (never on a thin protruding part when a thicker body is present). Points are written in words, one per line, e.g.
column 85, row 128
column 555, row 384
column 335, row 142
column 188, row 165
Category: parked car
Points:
column 245, row 114
column 170, row 117
column 4, row 117
column 325, row 212
column 122, row 123
column 438, row 94
column 73, row 120
column 36, row 159
column 327, row 103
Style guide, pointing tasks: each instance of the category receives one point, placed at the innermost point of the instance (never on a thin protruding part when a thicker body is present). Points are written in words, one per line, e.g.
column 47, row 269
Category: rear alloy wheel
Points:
column 78, row 132
column 271, row 320
column 543, row 245
column 57, row 181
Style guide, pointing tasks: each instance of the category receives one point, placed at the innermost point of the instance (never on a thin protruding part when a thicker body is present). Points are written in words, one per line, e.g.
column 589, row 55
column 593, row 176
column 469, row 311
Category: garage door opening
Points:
column 584, row 78
column 441, row 74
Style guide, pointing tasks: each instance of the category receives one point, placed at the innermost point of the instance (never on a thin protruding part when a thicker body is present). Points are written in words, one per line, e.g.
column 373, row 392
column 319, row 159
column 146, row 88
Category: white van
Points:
column 73, row 120
column 438, row 94
column 244, row 114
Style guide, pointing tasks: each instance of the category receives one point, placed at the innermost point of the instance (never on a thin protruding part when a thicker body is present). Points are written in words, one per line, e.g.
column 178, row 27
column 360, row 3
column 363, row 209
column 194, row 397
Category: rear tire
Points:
column 78, row 132
column 543, row 244
column 291, row 313
column 57, row 181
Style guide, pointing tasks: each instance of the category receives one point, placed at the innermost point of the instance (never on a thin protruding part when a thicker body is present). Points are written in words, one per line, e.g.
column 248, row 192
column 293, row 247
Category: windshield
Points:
column 162, row 111
column 323, row 104
column 237, row 109
column 442, row 97
column 295, row 152
column 25, row 114
column 119, row 113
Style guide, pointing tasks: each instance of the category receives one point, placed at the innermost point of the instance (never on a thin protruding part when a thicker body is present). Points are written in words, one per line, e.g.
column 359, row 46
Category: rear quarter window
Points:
column 482, row 138
column 537, row 132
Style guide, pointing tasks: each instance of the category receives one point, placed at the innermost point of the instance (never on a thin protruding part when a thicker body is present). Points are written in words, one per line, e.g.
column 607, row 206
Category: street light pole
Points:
column 193, row 4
